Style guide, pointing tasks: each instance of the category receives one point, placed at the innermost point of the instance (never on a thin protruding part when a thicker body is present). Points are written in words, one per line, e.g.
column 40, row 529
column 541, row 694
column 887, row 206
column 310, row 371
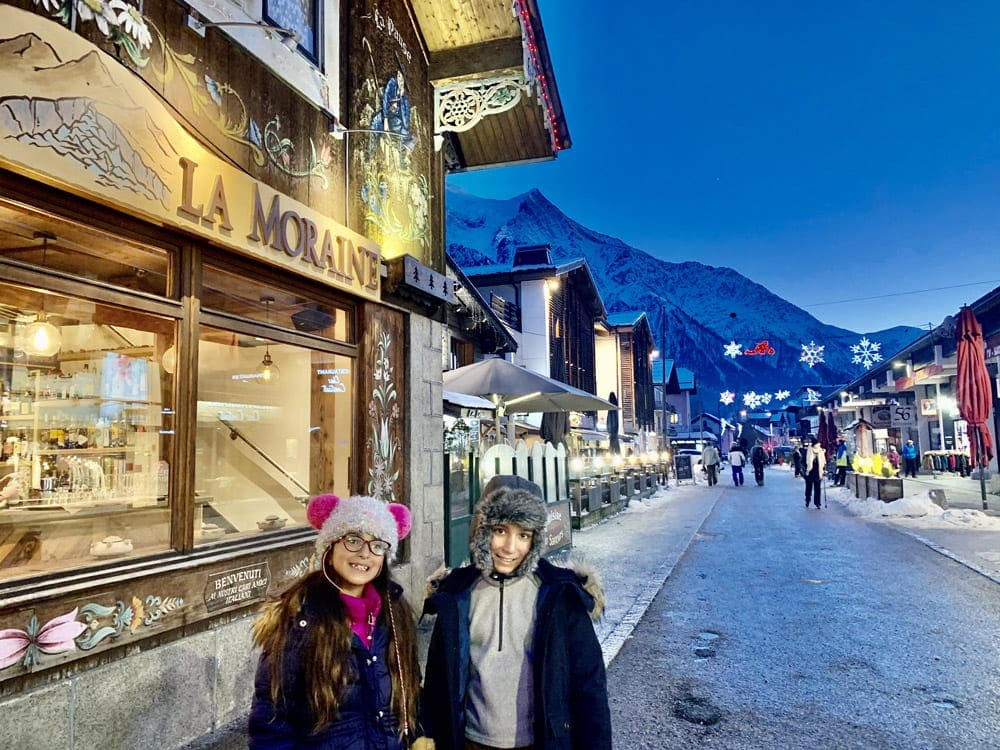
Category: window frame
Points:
column 298, row 69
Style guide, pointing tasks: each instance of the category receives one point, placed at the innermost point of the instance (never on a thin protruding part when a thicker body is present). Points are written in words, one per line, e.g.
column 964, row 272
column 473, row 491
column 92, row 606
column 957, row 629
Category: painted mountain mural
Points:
column 703, row 308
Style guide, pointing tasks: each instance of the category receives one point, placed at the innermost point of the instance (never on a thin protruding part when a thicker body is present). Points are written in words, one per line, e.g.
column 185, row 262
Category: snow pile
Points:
column 915, row 510
column 644, row 505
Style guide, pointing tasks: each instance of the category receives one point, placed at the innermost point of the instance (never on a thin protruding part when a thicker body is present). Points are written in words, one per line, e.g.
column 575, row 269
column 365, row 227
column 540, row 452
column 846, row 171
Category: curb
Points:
column 948, row 553
column 612, row 643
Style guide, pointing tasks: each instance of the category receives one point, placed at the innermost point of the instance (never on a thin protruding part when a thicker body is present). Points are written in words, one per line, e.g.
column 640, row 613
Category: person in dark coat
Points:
column 758, row 457
column 815, row 468
column 338, row 668
column 513, row 659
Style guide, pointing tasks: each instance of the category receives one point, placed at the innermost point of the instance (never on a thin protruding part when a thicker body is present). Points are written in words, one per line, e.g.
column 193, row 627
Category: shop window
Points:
column 247, row 297
column 85, row 432
column 302, row 16
column 266, row 442
column 316, row 47
column 52, row 243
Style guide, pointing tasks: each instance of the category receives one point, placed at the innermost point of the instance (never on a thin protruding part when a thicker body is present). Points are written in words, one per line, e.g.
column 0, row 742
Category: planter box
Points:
column 851, row 482
column 885, row 489
column 888, row 488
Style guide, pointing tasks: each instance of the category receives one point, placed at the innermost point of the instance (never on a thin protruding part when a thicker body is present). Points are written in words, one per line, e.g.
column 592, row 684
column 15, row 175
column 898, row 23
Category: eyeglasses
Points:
column 354, row 543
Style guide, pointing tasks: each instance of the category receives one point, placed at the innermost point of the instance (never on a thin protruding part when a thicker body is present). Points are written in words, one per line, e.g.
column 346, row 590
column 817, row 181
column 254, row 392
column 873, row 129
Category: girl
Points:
column 338, row 667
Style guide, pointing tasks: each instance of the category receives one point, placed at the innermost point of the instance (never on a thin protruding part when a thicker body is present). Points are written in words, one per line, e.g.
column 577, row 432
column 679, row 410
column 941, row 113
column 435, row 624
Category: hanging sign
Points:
column 928, row 407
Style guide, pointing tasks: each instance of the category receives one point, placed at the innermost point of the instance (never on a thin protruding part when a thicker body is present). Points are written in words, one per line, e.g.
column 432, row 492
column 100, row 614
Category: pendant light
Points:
column 41, row 338
column 267, row 372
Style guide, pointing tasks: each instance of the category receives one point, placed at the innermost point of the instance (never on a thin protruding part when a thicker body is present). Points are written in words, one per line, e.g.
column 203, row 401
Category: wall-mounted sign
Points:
column 237, row 586
column 904, row 415
column 132, row 153
column 928, row 407
column 881, row 416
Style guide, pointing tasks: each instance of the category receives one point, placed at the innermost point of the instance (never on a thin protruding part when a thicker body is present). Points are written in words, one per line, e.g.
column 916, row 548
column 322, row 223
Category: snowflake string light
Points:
column 727, row 397
column 782, row 395
column 812, row 395
column 866, row 353
column 812, row 354
column 751, row 400
column 765, row 398
column 733, row 349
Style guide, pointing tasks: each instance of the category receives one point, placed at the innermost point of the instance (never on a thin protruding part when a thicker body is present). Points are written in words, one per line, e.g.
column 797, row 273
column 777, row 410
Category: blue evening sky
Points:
column 829, row 151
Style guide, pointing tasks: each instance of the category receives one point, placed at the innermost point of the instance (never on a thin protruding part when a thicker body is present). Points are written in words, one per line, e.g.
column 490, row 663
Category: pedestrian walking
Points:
column 736, row 462
column 797, row 462
column 514, row 661
column 841, row 458
column 815, row 466
column 894, row 458
column 710, row 462
column 758, row 457
column 338, row 667
column 911, row 459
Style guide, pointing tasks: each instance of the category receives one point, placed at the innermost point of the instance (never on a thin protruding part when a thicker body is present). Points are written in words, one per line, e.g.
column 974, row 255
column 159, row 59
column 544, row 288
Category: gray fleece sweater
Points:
column 501, row 678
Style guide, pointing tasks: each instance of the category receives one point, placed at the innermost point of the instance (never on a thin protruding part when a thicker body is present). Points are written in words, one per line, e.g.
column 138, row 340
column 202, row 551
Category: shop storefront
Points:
column 222, row 276
column 187, row 354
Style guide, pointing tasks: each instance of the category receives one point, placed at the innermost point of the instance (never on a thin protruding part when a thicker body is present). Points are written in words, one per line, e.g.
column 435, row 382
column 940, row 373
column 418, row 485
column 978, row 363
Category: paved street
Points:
column 788, row 627
column 794, row 628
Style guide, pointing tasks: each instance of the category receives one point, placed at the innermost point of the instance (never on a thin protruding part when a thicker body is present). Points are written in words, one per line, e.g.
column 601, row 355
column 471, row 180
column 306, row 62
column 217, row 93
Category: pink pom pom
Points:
column 404, row 521
column 319, row 509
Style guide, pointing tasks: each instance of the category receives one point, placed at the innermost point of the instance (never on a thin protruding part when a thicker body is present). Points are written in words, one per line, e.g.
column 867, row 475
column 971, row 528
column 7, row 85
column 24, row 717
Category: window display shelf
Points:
column 120, row 450
column 130, row 403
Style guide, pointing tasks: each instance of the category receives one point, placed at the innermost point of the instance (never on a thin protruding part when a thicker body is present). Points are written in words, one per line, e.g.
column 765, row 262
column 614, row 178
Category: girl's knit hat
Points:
column 390, row 522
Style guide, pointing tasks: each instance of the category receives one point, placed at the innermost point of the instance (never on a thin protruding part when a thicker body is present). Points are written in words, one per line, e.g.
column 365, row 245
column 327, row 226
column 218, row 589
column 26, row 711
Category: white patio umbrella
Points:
column 517, row 389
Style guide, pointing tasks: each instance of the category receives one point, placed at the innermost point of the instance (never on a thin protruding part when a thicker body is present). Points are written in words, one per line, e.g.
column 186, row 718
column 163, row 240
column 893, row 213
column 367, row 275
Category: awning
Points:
column 589, row 434
column 858, row 422
column 467, row 402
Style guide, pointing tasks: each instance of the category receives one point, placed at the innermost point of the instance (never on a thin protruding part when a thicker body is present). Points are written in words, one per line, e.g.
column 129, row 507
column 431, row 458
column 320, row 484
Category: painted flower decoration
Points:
column 54, row 637
column 132, row 22
column 52, row 6
column 98, row 12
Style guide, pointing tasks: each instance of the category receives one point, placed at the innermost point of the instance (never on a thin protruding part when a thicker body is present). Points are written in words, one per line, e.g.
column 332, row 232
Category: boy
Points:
column 513, row 659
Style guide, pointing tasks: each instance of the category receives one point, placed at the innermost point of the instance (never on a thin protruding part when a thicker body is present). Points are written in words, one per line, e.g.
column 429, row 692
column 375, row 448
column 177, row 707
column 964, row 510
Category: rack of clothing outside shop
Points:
column 940, row 462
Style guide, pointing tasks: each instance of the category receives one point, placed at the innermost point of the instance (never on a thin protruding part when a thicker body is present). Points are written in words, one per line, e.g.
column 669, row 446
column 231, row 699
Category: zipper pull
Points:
column 500, row 634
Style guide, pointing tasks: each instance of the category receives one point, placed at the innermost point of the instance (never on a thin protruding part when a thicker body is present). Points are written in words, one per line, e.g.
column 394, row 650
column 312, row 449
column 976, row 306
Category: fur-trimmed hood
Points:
column 508, row 505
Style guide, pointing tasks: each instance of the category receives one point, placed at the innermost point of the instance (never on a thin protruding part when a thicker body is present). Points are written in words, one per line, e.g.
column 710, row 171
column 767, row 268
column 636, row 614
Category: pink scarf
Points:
column 363, row 611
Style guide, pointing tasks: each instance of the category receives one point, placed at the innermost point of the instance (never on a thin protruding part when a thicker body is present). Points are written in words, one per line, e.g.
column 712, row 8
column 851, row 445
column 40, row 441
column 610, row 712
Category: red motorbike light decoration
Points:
column 762, row 348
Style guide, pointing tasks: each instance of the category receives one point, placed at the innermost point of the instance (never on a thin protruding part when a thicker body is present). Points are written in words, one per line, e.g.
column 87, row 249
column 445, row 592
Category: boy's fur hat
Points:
column 334, row 517
column 509, row 499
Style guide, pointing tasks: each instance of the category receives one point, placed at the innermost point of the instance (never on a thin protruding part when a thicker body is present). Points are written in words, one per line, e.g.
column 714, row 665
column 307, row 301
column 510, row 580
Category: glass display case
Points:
column 84, row 470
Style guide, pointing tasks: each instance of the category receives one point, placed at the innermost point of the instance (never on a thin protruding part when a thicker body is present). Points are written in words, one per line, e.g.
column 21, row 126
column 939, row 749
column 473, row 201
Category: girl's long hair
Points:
column 327, row 663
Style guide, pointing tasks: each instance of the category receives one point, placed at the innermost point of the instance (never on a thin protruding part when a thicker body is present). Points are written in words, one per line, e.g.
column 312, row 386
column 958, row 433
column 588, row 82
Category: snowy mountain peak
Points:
column 704, row 309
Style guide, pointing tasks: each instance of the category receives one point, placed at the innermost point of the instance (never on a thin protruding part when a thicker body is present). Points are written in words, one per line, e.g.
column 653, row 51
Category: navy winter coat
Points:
column 571, row 706
column 366, row 720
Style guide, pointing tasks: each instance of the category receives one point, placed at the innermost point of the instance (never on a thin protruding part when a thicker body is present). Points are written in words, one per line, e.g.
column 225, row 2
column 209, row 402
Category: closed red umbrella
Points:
column 974, row 392
column 823, row 432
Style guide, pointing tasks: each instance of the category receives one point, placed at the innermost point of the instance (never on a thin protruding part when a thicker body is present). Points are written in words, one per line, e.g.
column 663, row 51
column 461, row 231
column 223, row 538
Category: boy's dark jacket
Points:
column 571, row 710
